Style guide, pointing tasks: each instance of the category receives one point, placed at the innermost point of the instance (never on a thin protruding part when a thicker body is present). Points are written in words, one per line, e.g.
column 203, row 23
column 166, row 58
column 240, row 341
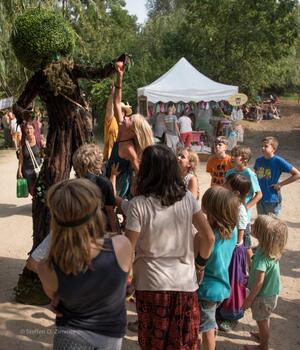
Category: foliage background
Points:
column 250, row 43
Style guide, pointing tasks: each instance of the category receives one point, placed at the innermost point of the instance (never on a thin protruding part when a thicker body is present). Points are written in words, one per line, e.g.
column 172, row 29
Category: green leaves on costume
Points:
column 40, row 35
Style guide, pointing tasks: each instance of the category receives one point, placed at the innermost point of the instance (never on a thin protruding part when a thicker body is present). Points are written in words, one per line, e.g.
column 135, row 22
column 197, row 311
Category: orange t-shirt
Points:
column 217, row 168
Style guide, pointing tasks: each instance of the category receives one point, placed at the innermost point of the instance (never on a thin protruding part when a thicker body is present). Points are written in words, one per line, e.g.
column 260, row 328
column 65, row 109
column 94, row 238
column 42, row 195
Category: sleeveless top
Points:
column 125, row 170
column 186, row 181
column 27, row 168
column 94, row 300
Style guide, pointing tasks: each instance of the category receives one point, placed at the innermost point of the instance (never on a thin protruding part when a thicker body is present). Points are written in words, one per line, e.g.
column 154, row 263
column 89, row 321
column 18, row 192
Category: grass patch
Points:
column 289, row 97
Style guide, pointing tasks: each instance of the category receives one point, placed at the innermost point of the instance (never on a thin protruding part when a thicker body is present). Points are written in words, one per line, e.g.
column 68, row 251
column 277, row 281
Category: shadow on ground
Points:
column 7, row 210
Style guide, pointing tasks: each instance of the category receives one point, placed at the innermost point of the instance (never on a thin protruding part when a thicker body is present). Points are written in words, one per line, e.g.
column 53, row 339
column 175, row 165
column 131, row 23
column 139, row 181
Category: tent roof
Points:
column 184, row 83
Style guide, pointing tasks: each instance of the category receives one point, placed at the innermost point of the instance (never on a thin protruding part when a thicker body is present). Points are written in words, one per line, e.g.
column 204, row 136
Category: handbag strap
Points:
column 33, row 159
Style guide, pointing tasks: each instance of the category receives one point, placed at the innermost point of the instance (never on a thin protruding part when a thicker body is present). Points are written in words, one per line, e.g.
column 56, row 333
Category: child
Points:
column 231, row 309
column 220, row 162
column 15, row 130
column 241, row 156
column 264, row 278
column 87, row 162
column 269, row 168
column 188, row 162
column 222, row 208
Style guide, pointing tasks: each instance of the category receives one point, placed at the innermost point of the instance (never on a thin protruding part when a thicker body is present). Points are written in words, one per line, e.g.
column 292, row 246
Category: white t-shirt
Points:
column 185, row 124
column 165, row 248
column 14, row 127
column 243, row 218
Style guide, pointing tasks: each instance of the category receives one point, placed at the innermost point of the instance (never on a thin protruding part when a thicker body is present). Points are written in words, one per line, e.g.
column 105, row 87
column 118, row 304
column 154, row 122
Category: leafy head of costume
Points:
column 40, row 36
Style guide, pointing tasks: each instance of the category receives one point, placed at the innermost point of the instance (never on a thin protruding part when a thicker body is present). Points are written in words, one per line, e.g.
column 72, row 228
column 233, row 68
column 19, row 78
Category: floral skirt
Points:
column 168, row 320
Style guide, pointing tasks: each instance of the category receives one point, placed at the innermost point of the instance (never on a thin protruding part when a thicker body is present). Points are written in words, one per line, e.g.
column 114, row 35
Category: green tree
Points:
column 238, row 42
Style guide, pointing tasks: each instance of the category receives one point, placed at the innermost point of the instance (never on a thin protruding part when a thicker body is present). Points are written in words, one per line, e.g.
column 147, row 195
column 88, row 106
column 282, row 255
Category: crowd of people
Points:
column 190, row 262
column 266, row 109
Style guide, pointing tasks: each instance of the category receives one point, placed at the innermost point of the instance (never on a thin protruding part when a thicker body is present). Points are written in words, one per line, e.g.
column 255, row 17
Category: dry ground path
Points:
column 25, row 327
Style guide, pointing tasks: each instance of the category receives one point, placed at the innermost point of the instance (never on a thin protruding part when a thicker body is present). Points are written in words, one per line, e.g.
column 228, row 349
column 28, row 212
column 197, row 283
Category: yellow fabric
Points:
column 110, row 135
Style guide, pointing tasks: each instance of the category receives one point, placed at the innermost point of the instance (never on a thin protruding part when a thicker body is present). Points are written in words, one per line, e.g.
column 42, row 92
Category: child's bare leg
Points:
column 264, row 333
column 209, row 339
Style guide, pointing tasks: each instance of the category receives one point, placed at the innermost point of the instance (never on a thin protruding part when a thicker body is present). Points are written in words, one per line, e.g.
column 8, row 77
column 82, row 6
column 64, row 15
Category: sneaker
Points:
column 227, row 326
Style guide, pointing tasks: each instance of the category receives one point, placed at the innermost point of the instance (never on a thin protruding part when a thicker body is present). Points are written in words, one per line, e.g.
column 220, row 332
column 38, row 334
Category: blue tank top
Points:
column 125, row 170
column 94, row 300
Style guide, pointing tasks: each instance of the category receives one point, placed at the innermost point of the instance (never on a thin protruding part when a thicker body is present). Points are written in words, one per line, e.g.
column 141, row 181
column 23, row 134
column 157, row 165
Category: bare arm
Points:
column 20, row 165
column 132, row 236
column 206, row 238
column 193, row 186
column 118, row 92
column 109, row 112
column 48, row 278
column 256, row 198
column 260, row 276
column 295, row 175
column 124, row 252
column 133, row 158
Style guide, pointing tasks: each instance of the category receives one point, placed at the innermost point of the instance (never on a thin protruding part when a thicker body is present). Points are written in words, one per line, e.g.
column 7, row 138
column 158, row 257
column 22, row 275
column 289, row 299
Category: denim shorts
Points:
column 208, row 315
column 262, row 307
column 247, row 237
column 264, row 208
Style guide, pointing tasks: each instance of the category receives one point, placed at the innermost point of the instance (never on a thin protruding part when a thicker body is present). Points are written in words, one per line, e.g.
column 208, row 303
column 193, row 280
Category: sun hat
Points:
column 127, row 108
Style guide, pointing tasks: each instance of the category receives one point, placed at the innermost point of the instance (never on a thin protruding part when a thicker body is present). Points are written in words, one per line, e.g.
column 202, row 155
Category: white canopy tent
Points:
column 184, row 83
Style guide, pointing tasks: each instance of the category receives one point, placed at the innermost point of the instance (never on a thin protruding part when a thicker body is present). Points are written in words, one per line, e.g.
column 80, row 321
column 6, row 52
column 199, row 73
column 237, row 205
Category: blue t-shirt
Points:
column 216, row 285
column 254, row 184
column 268, row 172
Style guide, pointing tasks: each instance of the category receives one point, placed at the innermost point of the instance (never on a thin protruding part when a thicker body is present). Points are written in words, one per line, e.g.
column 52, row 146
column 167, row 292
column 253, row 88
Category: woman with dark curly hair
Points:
column 160, row 226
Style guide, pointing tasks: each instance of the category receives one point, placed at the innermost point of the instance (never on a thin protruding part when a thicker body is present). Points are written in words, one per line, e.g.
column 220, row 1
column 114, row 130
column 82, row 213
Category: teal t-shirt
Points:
column 216, row 285
column 250, row 174
column 271, row 269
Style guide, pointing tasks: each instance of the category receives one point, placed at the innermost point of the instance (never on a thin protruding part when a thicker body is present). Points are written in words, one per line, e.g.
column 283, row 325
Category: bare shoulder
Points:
column 124, row 252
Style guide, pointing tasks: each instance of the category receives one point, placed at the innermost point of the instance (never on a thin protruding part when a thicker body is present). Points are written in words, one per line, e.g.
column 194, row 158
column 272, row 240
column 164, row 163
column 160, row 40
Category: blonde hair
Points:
column 70, row 201
column 242, row 151
column 194, row 161
column 222, row 209
column 88, row 158
column 143, row 133
column 271, row 140
column 272, row 234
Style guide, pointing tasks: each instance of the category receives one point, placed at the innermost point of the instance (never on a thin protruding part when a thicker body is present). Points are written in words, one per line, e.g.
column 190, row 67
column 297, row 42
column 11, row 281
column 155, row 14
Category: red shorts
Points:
column 168, row 320
column 186, row 138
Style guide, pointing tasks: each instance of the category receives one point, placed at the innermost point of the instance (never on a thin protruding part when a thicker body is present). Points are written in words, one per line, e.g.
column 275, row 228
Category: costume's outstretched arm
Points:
column 86, row 72
column 30, row 92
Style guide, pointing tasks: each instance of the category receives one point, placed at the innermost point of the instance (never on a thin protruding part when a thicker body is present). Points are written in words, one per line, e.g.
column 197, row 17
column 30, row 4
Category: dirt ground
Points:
column 24, row 327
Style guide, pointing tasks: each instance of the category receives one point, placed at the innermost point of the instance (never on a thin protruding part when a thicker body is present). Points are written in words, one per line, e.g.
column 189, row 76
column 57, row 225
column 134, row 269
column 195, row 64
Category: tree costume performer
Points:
column 43, row 42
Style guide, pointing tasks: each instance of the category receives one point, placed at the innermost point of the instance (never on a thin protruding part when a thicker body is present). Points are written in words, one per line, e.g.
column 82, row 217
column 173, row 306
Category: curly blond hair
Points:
column 272, row 235
column 88, row 158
